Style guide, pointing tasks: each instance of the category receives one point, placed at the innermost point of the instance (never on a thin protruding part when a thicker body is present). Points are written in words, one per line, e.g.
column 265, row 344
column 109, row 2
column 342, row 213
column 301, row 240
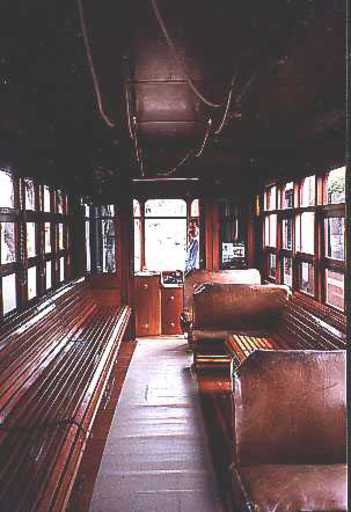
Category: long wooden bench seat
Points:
column 300, row 327
column 231, row 321
column 56, row 364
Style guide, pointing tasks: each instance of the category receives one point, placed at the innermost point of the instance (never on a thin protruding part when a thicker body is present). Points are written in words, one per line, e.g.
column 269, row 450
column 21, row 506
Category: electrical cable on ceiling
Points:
column 192, row 153
column 103, row 115
column 181, row 63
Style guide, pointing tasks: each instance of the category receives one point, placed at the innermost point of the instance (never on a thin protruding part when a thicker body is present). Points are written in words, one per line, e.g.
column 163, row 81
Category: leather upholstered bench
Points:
column 195, row 279
column 289, row 432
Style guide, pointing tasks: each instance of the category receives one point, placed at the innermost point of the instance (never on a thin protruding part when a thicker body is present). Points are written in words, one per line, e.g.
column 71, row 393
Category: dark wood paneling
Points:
column 172, row 306
column 148, row 305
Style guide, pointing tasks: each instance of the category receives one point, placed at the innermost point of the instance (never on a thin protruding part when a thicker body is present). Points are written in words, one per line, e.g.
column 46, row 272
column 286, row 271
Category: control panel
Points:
column 172, row 278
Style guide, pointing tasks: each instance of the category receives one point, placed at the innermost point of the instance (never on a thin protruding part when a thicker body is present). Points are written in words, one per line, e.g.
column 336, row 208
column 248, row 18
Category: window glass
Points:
column 165, row 244
column 87, row 246
column 62, row 269
column 334, row 238
column 29, row 193
column 136, row 208
column 307, row 277
column 287, row 271
column 8, row 245
column 31, row 246
column 194, row 208
column 9, row 301
column 137, row 245
column 107, row 210
column 32, row 282
column 308, row 191
column 287, row 239
column 7, row 190
column 335, row 289
column 48, row 275
column 270, row 198
column 47, row 199
column 165, row 208
column 60, row 201
column 336, row 186
column 272, row 265
column 60, row 236
column 305, row 232
column 108, row 246
column 271, row 230
column 47, row 237
column 287, row 195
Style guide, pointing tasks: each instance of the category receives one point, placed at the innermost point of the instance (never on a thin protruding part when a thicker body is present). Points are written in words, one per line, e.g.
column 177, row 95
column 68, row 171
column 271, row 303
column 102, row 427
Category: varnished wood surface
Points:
column 156, row 457
column 148, row 305
column 172, row 306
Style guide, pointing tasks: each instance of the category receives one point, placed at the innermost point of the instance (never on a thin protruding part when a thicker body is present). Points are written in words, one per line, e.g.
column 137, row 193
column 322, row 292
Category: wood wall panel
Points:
column 147, row 305
column 172, row 306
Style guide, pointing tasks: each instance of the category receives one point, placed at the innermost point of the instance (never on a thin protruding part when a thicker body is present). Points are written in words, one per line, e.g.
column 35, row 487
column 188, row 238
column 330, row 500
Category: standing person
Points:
column 192, row 258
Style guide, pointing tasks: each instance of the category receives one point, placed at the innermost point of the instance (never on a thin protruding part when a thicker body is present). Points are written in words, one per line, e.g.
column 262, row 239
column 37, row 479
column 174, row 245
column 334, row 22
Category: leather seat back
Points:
column 236, row 276
column 231, row 306
column 290, row 408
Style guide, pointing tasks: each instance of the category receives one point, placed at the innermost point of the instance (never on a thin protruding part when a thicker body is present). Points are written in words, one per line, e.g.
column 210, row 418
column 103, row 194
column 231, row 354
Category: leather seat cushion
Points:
column 296, row 488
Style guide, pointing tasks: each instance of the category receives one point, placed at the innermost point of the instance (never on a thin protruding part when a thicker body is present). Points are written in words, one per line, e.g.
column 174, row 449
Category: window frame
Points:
column 321, row 211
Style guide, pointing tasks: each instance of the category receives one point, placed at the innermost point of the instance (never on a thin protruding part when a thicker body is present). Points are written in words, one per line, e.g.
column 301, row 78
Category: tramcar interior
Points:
column 174, row 256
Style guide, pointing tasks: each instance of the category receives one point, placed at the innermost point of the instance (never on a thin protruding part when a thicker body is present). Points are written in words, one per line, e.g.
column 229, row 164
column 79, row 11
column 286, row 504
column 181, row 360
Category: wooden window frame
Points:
column 318, row 259
column 21, row 216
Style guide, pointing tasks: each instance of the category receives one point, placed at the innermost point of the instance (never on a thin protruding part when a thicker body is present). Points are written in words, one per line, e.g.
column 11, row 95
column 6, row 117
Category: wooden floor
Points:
column 156, row 457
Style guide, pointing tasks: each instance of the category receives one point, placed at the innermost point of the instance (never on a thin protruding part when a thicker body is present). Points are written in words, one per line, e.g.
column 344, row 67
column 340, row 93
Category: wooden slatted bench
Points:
column 301, row 327
column 56, row 366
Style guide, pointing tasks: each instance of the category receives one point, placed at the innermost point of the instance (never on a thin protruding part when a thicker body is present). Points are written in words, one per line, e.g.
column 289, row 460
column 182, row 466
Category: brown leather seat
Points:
column 220, row 308
column 289, row 431
column 198, row 277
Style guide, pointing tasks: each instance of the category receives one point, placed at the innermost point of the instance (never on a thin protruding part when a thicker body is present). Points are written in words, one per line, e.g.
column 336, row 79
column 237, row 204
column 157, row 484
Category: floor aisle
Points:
column 156, row 457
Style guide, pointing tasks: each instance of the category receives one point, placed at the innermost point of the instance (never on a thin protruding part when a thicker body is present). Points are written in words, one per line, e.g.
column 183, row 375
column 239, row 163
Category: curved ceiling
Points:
column 287, row 105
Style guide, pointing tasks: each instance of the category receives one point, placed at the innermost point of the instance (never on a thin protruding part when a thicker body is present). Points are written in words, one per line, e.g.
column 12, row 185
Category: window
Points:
column 287, row 195
column 287, row 271
column 232, row 234
column 307, row 278
column 47, row 199
column 271, row 230
column 7, row 190
column 137, row 236
column 29, row 195
column 270, row 200
column 309, row 254
column 8, row 242
column 308, row 191
column 305, row 232
column 334, row 238
column 335, row 288
column 32, row 282
column 45, row 240
column 9, row 300
column 104, row 235
column 60, row 236
column 48, row 275
column 272, row 268
column 287, row 236
column 60, row 201
column 334, row 192
column 62, row 269
column 166, row 234
column 31, row 245
column 47, row 237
